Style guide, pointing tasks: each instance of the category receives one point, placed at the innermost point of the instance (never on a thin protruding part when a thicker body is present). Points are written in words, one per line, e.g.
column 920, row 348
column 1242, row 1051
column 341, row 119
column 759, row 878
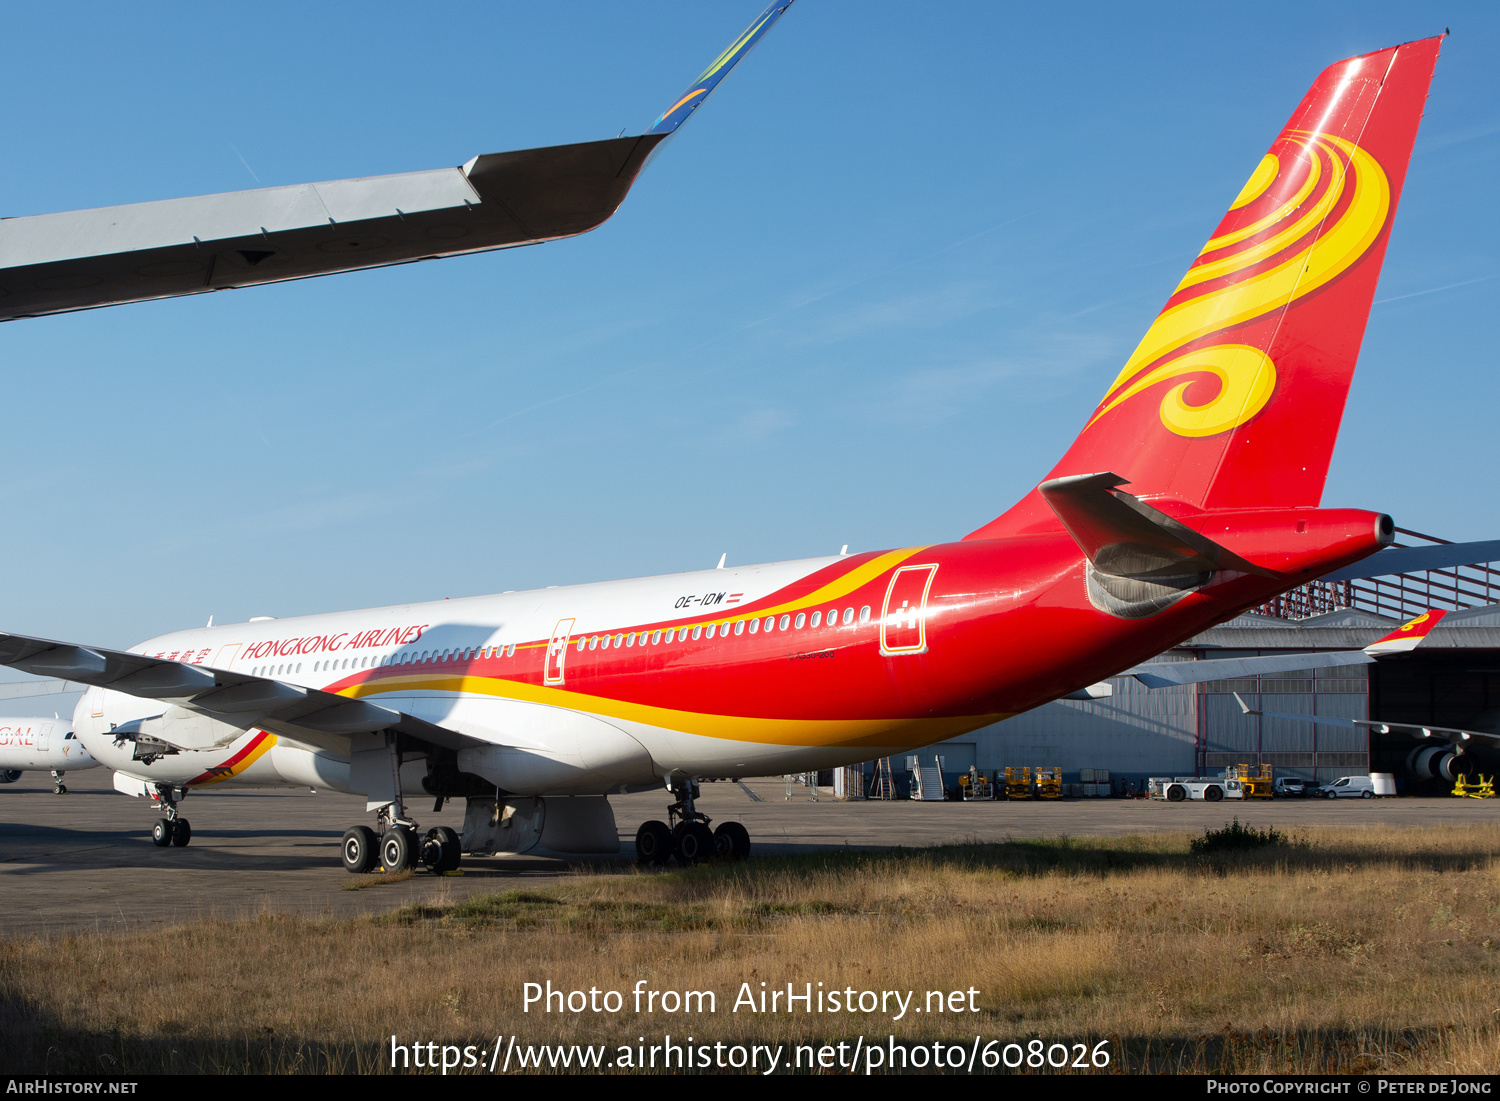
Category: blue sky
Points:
column 866, row 296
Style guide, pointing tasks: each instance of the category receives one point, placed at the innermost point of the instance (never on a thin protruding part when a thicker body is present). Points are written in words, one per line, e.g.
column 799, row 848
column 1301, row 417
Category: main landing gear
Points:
column 396, row 846
column 688, row 838
column 173, row 829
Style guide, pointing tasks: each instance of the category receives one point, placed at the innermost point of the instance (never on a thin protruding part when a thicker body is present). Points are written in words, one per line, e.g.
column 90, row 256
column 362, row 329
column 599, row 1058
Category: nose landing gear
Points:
column 58, row 787
column 689, row 838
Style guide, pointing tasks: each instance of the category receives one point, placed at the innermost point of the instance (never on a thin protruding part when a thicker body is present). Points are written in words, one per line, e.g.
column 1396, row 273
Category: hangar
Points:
column 1453, row 679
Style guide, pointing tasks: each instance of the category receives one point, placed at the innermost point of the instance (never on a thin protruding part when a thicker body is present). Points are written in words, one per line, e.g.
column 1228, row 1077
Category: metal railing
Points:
column 1399, row 596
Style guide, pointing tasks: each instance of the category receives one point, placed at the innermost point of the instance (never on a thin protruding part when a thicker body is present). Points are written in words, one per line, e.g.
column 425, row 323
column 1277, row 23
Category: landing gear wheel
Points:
column 732, row 840
column 694, row 843
column 60, row 789
column 440, row 850
column 161, row 833
column 360, row 850
column 653, row 843
column 182, row 833
column 398, row 849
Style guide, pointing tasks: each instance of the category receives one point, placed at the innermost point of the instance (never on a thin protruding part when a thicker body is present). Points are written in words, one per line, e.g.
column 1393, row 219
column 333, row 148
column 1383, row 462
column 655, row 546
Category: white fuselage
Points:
column 540, row 748
column 31, row 743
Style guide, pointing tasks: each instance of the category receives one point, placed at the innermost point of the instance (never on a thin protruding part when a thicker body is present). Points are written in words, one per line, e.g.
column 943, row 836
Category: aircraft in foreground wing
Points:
column 535, row 706
column 82, row 259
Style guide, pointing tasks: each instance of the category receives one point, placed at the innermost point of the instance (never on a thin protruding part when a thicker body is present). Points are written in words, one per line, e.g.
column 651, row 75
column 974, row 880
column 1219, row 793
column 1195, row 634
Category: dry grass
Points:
column 1354, row 950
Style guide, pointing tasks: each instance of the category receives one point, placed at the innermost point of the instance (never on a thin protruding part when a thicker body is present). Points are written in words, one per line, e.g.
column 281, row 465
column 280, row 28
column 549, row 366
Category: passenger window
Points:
column 754, row 626
column 770, row 623
column 817, row 618
column 799, row 621
column 864, row 614
column 697, row 632
column 786, row 621
column 848, row 616
column 713, row 629
column 594, row 643
column 682, row 635
column 630, row 639
column 739, row 626
column 655, row 638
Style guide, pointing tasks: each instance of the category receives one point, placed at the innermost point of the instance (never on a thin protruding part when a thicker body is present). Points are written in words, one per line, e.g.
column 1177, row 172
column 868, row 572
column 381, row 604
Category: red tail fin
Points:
column 1234, row 396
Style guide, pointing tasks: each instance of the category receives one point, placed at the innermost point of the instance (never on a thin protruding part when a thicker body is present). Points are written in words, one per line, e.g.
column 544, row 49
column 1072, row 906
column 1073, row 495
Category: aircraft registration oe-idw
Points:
column 1192, row 493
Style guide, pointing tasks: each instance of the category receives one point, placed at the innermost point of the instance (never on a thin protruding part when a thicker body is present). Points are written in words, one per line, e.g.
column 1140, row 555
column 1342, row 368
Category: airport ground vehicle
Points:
column 1179, row 789
column 535, row 706
column 1349, row 787
column 1294, row 786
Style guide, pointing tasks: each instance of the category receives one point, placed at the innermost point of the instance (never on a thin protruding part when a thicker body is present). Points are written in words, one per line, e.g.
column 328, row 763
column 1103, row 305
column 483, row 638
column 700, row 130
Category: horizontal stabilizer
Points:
column 1394, row 560
column 1124, row 536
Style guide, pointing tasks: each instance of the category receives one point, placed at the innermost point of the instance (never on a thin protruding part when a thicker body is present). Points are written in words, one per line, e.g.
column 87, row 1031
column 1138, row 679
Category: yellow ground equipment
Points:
column 1018, row 783
column 1257, row 783
column 1049, row 783
column 973, row 785
column 1484, row 789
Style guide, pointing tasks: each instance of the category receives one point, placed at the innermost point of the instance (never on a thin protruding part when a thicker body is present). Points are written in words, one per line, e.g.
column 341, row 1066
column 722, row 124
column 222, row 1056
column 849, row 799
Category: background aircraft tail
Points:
column 1234, row 396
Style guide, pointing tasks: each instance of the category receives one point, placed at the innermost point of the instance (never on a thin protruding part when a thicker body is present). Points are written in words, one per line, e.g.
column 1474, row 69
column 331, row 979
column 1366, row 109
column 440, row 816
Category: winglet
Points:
column 1406, row 637
column 690, row 100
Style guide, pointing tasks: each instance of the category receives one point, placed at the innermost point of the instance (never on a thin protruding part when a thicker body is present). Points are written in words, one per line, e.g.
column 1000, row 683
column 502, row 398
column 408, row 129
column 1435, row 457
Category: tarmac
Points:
column 85, row 862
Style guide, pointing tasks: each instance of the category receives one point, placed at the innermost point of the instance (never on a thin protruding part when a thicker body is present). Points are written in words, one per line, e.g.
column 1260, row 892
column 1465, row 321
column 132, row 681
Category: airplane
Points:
column 535, row 706
column 85, row 259
column 1441, row 753
column 32, row 743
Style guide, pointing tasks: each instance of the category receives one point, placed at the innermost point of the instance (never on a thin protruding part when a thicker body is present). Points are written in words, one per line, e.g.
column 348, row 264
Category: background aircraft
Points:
column 534, row 706
column 28, row 743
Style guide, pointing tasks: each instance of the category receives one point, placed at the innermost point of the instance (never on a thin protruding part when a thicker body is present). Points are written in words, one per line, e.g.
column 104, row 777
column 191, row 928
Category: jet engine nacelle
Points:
column 1434, row 762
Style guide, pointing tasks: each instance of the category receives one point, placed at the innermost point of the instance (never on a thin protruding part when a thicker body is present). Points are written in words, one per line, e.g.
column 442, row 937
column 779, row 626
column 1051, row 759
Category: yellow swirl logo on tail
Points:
column 1248, row 273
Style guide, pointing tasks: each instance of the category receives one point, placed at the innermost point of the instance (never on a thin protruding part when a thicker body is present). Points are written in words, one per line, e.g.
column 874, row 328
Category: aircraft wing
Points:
column 82, row 259
column 1393, row 560
column 1167, row 674
column 1454, row 735
column 234, row 702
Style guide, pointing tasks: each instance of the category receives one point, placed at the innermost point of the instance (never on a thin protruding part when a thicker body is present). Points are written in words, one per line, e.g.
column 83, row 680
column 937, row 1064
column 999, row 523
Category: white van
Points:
column 1350, row 787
